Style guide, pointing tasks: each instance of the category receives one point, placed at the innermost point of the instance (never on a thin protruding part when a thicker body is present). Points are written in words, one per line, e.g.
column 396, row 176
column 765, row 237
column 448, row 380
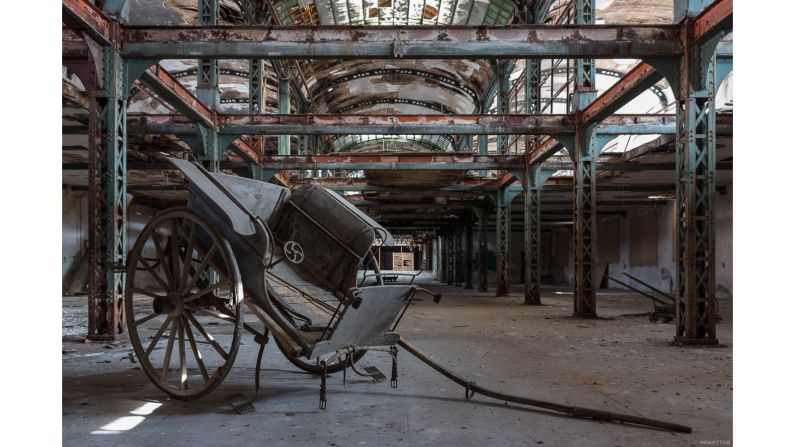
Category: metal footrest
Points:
column 375, row 373
column 240, row 403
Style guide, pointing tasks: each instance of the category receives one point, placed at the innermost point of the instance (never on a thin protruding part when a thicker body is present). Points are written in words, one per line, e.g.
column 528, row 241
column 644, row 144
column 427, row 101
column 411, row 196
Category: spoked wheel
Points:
column 313, row 367
column 184, row 289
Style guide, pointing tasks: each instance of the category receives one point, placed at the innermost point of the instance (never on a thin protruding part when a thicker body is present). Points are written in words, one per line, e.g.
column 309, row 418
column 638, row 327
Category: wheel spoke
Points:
column 199, row 270
column 175, row 258
column 213, row 313
column 196, row 353
column 162, row 258
column 154, row 274
column 203, row 292
column 183, row 365
column 146, row 318
column 188, row 257
column 158, row 335
column 169, row 348
column 207, row 336
column 147, row 293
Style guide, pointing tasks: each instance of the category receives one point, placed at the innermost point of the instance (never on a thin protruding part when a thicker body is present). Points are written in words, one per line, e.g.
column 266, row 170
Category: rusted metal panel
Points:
column 159, row 79
column 395, row 42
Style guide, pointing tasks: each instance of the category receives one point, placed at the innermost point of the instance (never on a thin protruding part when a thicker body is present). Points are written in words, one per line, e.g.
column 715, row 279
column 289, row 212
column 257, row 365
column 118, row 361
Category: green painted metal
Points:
column 504, row 198
column 207, row 75
column 450, row 261
column 483, row 224
column 502, row 74
column 468, row 243
column 284, row 108
column 534, row 180
column 257, row 92
column 696, row 305
column 107, row 181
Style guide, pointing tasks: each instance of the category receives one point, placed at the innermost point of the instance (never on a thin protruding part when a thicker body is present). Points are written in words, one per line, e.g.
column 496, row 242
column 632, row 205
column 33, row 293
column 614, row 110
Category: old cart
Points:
column 292, row 257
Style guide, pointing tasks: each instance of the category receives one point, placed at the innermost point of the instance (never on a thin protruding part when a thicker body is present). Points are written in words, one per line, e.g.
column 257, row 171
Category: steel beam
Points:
column 396, row 124
column 298, row 124
column 175, row 94
column 84, row 16
column 636, row 81
column 402, row 42
column 284, row 109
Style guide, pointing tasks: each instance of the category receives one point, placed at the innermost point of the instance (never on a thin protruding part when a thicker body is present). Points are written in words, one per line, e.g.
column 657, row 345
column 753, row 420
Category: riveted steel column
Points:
column 107, row 183
column 459, row 255
column 468, row 254
column 696, row 305
column 483, row 246
column 503, row 244
column 483, row 140
column 284, row 108
column 534, row 181
column 584, row 157
column 207, row 70
column 257, row 91
column 450, row 261
column 585, row 85
column 501, row 74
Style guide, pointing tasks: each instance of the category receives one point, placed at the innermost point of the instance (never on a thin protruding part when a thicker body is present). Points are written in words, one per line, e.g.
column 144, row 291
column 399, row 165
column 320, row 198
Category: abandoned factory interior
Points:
column 393, row 223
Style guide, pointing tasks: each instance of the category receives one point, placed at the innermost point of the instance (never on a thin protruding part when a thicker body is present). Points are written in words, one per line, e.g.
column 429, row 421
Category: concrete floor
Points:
column 618, row 363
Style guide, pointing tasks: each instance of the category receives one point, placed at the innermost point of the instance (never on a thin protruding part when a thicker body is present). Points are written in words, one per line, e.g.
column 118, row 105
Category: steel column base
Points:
column 107, row 337
column 688, row 341
column 591, row 315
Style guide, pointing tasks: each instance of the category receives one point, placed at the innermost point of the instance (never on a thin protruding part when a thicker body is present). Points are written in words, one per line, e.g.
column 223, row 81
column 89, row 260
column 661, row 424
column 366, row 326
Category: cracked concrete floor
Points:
column 618, row 363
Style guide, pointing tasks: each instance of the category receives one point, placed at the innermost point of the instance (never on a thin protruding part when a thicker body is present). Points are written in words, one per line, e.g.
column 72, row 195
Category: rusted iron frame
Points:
column 81, row 15
column 636, row 81
column 715, row 18
column 418, row 42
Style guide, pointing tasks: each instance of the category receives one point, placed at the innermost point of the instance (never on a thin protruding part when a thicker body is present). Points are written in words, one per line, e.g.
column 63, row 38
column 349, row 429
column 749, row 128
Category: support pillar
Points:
column 584, row 159
column 284, row 107
column 534, row 180
column 504, row 198
column 450, row 261
column 468, row 252
column 483, row 140
column 107, row 184
column 483, row 244
column 502, row 74
column 696, row 304
column 459, row 255
column 207, row 69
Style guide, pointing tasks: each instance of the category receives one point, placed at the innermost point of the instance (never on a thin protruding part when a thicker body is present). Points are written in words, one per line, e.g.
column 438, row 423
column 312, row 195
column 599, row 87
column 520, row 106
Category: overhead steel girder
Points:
column 80, row 15
column 304, row 124
column 402, row 42
column 174, row 93
column 396, row 124
column 418, row 161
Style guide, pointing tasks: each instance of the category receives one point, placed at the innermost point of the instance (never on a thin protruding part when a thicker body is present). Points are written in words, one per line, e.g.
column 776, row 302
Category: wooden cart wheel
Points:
column 169, row 301
column 653, row 317
column 312, row 367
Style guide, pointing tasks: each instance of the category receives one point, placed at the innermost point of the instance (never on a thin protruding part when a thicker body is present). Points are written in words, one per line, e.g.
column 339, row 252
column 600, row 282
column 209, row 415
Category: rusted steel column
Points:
column 459, row 255
column 107, row 184
column 450, row 261
column 584, row 157
column 696, row 305
column 468, row 254
column 503, row 243
column 534, row 182
column 483, row 234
